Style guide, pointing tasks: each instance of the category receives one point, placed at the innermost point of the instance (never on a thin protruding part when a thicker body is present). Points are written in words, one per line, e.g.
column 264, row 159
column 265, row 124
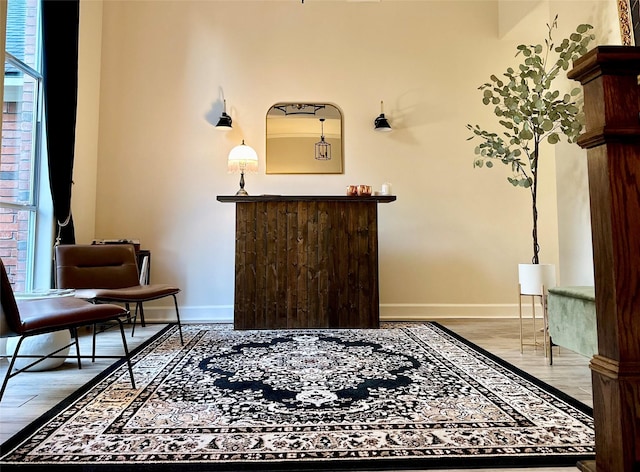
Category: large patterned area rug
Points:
column 415, row 396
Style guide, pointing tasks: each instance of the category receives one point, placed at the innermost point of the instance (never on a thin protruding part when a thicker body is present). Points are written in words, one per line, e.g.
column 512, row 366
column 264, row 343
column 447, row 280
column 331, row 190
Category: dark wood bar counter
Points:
column 306, row 261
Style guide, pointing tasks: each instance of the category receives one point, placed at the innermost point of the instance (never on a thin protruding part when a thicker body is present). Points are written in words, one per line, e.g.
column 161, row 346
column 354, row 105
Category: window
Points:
column 21, row 189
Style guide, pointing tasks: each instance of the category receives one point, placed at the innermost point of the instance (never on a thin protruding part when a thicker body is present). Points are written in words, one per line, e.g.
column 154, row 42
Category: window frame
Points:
column 38, row 244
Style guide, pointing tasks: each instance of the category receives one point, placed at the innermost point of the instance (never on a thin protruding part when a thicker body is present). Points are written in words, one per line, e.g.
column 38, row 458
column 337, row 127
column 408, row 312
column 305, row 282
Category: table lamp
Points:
column 243, row 158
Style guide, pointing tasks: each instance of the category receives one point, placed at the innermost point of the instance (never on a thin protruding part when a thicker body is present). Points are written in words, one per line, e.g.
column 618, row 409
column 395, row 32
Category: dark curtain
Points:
column 60, row 34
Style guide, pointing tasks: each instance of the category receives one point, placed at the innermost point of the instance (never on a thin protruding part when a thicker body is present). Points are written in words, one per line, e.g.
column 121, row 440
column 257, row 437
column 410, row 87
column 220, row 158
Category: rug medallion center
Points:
column 311, row 371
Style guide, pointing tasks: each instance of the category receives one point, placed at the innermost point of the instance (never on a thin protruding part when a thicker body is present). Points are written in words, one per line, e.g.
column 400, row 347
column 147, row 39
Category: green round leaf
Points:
column 526, row 134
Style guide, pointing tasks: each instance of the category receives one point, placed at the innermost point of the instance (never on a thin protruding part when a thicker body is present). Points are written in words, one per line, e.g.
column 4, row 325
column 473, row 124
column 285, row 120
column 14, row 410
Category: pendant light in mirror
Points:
column 323, row 148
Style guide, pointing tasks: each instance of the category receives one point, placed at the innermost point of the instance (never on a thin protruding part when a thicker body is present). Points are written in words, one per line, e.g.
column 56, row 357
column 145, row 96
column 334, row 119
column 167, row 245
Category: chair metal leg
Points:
column 133, row 321
column 93, row 351
column 74, row 334
column 126, row 352
column 10, row 369
column 142, row 322
column 175, row 301
column 135, row 318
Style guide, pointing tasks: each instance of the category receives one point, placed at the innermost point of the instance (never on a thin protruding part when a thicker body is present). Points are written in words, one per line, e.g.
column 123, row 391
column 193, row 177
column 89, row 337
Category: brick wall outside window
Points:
column 15, row 186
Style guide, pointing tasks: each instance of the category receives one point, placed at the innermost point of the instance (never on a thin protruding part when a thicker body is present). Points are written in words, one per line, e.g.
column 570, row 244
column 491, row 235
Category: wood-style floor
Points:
column 31, row 394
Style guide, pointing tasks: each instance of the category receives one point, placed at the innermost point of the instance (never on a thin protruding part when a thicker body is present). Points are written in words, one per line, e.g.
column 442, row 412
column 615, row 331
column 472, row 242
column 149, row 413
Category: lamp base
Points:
column 242, row 191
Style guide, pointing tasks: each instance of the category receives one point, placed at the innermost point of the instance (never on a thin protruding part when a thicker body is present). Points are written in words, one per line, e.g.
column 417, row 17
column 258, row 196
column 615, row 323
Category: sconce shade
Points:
column 224, row 123
column 242, row 158
column 381, row 123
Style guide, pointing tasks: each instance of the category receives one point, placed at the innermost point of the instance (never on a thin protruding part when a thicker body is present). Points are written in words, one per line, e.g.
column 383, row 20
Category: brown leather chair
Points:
column 108, row 273
column 47, row 315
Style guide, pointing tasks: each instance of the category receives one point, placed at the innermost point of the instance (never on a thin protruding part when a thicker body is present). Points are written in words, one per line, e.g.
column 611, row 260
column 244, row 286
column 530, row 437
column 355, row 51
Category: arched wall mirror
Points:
column 304, row 138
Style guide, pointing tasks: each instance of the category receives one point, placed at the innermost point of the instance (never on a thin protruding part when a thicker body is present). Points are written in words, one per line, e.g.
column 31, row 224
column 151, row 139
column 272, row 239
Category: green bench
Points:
column 571, row 315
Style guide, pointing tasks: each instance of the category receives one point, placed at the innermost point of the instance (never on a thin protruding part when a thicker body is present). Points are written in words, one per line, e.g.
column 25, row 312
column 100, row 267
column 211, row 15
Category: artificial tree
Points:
column 531, row 109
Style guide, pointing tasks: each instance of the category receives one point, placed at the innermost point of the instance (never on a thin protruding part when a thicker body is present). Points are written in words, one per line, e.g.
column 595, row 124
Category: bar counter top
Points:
column 305, row 198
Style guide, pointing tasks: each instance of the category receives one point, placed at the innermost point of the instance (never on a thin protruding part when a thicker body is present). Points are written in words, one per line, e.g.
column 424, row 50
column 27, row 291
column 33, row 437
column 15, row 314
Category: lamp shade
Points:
column 243, row 158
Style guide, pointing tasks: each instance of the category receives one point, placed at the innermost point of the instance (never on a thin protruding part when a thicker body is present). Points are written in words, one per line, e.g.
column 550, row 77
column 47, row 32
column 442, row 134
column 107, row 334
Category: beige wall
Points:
column 451, row 242
column 86, row 151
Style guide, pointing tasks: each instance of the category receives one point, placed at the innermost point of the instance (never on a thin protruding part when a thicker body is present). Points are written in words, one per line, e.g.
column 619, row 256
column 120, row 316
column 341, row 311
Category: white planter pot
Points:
column 536, row 278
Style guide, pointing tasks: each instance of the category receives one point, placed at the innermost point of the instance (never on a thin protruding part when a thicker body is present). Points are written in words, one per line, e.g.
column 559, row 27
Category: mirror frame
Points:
column 292, row 128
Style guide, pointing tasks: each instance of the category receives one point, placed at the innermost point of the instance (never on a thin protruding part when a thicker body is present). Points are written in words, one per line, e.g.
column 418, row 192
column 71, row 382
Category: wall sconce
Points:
column 224, row 123
column 381, row 123
column 242, row 158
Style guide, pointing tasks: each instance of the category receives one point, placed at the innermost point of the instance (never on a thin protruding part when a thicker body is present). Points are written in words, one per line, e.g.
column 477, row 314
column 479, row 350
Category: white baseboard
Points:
column 388, row 312
column 190, row 314
column 410, row 311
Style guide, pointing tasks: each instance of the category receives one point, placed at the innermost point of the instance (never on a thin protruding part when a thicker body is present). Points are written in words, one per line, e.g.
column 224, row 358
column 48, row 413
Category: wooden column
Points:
column 609, row 75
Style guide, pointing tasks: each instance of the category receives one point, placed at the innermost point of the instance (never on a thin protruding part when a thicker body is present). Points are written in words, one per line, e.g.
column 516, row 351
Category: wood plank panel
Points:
column 262, row 263
column 271, row 293
column 348, row 269
column 363, row 289
column 252, row 263
column 281, row 264
column 302, row 245
column 373, row 297
column 312, row 269
column 326, row 267
column 240, row 311
column 291, row 262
